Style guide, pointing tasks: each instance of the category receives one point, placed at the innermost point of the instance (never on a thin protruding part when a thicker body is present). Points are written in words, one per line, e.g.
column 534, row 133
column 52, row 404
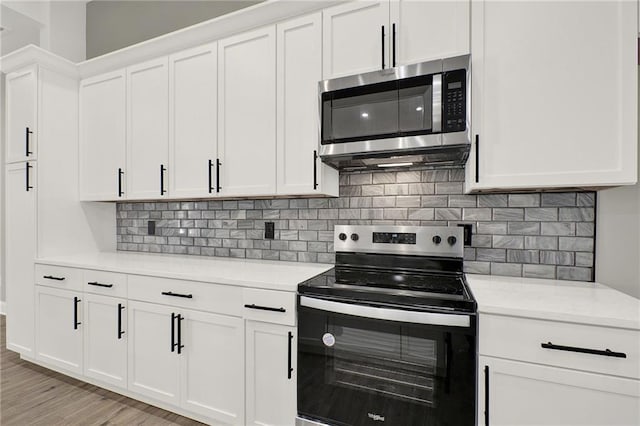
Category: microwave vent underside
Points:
column 433, row 157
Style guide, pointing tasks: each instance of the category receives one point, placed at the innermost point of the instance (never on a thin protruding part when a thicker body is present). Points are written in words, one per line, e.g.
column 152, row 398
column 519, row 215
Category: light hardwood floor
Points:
column 32, row 395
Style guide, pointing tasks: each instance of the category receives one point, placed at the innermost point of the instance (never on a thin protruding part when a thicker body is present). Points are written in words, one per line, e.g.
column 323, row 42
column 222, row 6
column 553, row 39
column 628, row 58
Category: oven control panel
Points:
column 445, row 241
column 454, row 102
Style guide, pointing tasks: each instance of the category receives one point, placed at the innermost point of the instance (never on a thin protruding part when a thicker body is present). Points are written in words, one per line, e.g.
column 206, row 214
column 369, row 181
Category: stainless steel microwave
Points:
column 414, row 114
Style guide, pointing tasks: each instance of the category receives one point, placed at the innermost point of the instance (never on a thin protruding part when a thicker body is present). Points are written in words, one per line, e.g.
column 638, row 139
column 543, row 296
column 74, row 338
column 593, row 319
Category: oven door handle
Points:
column 415, row 317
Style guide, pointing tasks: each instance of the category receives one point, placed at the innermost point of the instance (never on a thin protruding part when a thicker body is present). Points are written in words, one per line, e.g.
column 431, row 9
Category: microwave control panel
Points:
column 454, row 102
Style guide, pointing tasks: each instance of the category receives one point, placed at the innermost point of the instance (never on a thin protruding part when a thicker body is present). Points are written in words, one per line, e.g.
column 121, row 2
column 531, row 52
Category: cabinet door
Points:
column 105, row 339
column 247, row 102
column 299, row 66
column 20, row 243
column 147, row 129
column 153, row 360
column 212, row 368
column 102, row 137
column 532, row 394
column 22, row 117
column 193, row 86
column 427, row 30
column 271, row 374
column 356, row 38
column 59, row 328
column 558, row 107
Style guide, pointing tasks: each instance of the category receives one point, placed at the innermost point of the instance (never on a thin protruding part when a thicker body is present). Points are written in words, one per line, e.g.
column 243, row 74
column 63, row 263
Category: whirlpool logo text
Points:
column 376, row 417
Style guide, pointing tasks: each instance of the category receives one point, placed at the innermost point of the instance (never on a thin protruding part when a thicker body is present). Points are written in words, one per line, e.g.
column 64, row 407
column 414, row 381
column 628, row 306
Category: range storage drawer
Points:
column 270, row 306
column 216, row 298
column 59, row 277
column 107, row 283
column 604, row 350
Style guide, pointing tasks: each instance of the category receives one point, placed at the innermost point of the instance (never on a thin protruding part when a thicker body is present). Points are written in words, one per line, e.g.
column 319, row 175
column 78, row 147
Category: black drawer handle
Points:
column 606, row 352
column 289, row 367
column 315, row 169
column 26, row 142
column 96, row 283
column 170, row 293
column 265, row 308
column 51, row 277
column 76, row 323
column 218, row 164
column 120, row 330
column 120, row 173
column 28, row 184
column 211, row 188
column 162, row 170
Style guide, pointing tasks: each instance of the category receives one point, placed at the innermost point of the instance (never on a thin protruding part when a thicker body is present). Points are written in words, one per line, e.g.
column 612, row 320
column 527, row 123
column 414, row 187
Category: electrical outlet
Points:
column 269, row 230
column 468, row 231
column 151, row 227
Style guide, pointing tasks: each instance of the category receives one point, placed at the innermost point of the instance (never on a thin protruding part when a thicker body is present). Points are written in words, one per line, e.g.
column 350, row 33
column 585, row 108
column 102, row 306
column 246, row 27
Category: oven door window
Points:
column 358, row 371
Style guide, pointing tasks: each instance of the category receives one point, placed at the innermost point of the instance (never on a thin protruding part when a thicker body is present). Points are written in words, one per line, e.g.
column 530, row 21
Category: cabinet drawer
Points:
column 215, row 298
column 59, row 277
column 522, row 339
column 270, row 305
column 107, row 283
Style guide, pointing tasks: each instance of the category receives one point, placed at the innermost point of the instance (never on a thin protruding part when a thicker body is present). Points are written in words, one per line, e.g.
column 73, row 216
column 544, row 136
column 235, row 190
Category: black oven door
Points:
column 368, row 365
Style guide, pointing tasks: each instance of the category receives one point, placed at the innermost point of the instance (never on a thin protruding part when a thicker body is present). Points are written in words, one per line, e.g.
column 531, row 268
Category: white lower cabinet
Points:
column 59, row 328
column 271, row 374
column 521, row 393
column 153, row 357
column 105, row 339
column 188, row 359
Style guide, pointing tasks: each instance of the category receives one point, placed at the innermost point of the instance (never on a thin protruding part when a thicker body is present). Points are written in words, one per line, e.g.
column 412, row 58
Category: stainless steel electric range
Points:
column 388, row 336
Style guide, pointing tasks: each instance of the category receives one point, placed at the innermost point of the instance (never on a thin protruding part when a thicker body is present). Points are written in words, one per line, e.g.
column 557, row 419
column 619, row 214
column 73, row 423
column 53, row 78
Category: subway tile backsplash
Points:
column 542, row 235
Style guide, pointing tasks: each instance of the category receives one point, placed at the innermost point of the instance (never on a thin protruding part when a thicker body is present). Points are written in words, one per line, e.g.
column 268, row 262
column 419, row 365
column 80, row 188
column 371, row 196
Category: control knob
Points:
column 354, row 237
column 452, row 240
column 437, row 239
column 342, row 236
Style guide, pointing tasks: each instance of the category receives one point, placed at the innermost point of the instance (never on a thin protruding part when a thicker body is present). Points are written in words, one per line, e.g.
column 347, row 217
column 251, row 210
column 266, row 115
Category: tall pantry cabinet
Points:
column 42, row 215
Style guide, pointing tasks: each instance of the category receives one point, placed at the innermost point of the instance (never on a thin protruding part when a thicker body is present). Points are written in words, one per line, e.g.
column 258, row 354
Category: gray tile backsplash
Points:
column 541, row 235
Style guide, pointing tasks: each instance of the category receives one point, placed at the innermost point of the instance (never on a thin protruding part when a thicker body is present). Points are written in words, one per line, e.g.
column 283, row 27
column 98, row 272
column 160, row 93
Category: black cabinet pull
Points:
column 210, row 177
column 120, row 330
column 97, row 284
column 120, row 192
column 51, row 277
column 265, row 308
column 26, row 169
column 162, row 170
column 180, row 345
column 382, row 38
column 26, row 141
column 289, row 368
column 486, row 395
column 393, row 45
column 170, row 293
column 606, row 352
column 315, row 169
column 218, row 164
column 477, row 158
column 76, row 323
column 173, row 332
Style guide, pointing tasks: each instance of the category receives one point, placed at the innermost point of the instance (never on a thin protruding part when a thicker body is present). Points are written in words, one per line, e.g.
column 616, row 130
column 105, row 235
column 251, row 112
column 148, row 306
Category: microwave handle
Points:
column 427, row 318
column 436, row 110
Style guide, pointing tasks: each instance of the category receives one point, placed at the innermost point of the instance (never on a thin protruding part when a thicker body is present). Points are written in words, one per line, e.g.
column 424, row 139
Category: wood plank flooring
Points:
column 32, row 395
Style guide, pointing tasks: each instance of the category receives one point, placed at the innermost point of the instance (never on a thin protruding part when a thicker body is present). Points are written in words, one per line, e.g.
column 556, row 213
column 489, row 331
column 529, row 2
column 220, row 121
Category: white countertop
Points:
column 569, row 301
column 269, row 274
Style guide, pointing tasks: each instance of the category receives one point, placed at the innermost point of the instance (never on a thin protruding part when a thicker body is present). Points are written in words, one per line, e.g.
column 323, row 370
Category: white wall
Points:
column 618, row 238
column 62, row 25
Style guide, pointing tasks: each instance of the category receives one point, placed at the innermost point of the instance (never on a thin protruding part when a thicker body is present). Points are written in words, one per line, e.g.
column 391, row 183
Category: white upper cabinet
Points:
column 148, row 129
column 427, row 30
column 21, row 102
column 102, row 137
column 20, row 241
column 299, row 69
column 365, row 36
column 247, row 113
column 554, row 94
column 193, row 119
column 355, row 38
